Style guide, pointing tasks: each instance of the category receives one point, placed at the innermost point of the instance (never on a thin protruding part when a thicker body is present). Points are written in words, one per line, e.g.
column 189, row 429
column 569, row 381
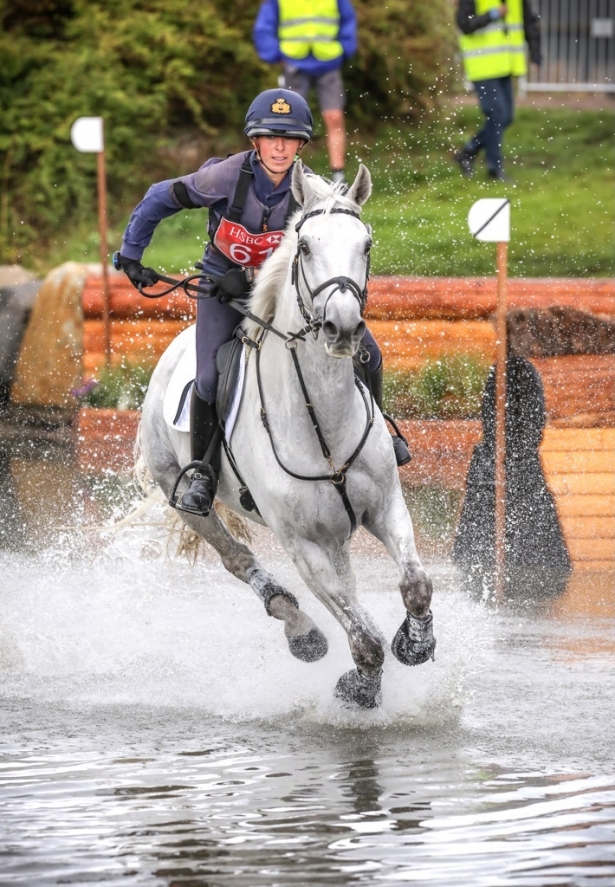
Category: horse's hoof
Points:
column 309, row 647
column 359, row 689
column 414, row 642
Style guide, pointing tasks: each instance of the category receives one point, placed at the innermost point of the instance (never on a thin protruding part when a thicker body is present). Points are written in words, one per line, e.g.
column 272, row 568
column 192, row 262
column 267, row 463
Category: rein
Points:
column 194, row 291
column 337, row 476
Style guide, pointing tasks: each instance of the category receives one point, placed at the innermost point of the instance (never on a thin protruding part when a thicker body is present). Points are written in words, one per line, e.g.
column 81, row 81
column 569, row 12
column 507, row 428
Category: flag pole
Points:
column 104, row 252
column 500, row 423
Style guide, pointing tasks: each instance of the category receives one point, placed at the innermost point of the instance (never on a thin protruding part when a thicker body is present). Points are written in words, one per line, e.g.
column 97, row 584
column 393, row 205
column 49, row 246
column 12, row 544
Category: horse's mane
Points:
column 322, row 194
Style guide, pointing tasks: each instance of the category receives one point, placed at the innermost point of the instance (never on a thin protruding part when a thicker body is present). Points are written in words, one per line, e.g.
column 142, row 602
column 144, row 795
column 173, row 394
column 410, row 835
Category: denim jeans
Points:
column 497, row 104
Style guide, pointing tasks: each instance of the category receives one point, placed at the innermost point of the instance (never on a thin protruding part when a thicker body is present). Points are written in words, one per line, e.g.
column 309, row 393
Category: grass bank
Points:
column 563, row 213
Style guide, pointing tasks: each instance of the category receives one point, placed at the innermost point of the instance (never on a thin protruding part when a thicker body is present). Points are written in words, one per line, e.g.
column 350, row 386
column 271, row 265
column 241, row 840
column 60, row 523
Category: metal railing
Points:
column 578, row 47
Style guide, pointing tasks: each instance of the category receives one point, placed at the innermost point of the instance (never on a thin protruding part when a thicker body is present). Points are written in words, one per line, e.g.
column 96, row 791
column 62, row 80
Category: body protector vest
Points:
column 238, row 243
column 310, row 26
column 497, row 50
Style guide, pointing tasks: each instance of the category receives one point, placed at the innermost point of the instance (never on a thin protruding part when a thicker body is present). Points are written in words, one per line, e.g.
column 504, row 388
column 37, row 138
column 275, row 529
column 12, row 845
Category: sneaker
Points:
column 465, row 163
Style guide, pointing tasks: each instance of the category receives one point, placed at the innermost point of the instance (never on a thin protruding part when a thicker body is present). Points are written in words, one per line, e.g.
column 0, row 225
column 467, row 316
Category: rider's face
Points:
column 277, row 153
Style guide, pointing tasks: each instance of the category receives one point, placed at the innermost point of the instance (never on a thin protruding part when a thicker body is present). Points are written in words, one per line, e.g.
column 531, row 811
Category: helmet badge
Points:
column 280, row 106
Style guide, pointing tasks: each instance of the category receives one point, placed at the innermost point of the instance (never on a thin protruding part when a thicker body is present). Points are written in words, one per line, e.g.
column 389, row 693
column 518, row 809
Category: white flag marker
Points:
column 489, row 219
column 86, row 134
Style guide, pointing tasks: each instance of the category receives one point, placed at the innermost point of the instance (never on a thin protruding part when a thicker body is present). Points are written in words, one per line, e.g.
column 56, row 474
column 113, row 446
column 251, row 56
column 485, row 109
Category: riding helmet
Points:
column 279, row 112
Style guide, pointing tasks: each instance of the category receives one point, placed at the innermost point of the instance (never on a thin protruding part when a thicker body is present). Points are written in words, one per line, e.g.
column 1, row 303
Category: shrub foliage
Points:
column 157, row 71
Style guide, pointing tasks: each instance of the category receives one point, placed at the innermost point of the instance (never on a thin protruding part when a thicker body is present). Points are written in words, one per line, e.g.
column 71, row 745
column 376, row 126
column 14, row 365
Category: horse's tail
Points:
column 141, row 473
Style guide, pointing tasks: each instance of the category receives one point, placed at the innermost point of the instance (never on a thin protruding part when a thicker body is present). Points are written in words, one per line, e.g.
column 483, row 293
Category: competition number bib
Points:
column 244, row 248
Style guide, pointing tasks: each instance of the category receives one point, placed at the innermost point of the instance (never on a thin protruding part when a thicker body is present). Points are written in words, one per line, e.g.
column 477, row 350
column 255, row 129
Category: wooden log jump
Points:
column 390, row 298
column 414, row 320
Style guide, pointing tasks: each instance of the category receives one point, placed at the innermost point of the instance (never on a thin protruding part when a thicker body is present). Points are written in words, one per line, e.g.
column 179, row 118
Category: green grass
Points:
column 563, row 207
column 448, row 388
column 119, row 387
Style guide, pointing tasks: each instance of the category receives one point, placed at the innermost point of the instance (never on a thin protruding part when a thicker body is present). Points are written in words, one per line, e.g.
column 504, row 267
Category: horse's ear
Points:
column 361, row 187
column 298, row 183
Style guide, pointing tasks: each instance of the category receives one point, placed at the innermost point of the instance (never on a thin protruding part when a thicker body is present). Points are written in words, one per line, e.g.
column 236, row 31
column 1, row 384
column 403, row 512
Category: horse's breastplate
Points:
column 244, row 247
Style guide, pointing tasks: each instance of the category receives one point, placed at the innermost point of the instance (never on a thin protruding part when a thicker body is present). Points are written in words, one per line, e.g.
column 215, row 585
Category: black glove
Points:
column 136, row 273
column 232, row 285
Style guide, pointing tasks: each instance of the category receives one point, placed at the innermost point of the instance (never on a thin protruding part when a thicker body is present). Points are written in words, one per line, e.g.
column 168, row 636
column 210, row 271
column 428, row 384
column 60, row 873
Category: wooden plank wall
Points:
column 415, row 319
column 579, row 464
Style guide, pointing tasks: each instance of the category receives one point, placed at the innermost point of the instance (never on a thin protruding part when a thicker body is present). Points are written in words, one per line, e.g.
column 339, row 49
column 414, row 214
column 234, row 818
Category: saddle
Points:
column 228, row 395
column 228, row 364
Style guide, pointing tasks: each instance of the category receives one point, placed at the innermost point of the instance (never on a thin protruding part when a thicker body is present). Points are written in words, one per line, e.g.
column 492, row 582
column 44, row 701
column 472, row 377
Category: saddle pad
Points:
column 176, row 405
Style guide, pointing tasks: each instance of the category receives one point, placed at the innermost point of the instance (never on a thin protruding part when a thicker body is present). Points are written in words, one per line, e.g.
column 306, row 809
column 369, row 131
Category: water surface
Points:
column 156, row 730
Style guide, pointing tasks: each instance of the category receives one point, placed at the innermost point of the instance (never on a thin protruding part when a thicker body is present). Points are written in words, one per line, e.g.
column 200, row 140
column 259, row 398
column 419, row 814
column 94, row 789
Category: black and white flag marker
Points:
column 489, row 219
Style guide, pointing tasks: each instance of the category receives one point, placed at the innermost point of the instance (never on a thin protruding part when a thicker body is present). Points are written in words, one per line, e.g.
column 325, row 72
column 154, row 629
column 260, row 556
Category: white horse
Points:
column 308, row 441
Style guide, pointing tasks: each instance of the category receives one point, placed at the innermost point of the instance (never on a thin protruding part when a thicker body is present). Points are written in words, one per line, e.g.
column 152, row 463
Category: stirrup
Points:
column 175, row 501
column 400, row 443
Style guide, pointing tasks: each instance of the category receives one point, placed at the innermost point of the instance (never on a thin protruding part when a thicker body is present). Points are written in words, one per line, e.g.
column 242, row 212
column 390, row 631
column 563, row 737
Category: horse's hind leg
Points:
column 414, row 642
column 305, row 640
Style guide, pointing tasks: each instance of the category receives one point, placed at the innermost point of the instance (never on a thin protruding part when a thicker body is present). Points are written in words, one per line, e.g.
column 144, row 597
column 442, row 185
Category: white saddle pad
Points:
column 176, row 405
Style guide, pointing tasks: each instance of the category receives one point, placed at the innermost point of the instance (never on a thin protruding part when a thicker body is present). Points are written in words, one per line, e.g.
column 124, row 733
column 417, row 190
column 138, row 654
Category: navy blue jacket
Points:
column 212, row 186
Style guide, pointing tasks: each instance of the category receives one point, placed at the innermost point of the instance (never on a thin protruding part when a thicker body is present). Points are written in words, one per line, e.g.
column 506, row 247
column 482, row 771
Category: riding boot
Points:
column 204, row 428
column 400, row 444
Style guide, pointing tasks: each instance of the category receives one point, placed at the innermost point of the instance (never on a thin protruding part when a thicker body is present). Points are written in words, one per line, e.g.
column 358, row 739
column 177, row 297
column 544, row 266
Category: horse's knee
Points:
column 416, row 590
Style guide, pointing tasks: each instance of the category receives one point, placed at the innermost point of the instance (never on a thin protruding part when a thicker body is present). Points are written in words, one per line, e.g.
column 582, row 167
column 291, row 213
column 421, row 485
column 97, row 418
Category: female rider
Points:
column 250, row 201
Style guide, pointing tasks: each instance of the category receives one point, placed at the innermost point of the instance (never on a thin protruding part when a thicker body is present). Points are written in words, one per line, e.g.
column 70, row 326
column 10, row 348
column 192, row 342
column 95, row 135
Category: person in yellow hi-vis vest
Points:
column 492, row 41
column 311, row 39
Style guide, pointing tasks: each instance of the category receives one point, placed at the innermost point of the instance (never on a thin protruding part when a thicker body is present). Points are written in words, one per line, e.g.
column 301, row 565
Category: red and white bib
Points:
column 242, row 246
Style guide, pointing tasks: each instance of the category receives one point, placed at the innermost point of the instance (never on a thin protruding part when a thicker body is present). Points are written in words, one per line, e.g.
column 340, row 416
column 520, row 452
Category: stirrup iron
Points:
column 175, row 501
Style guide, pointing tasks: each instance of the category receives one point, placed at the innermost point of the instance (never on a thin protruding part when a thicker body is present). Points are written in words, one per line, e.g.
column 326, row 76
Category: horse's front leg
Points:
column 324, row 574
column 414, row 642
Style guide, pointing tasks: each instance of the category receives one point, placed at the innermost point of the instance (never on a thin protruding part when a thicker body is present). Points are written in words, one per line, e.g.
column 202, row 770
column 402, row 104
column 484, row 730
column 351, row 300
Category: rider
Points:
column 250, row 200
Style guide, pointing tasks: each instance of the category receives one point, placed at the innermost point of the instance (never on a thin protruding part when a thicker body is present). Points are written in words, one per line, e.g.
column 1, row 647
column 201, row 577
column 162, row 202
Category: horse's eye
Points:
column 368, row 246
column 304, row 248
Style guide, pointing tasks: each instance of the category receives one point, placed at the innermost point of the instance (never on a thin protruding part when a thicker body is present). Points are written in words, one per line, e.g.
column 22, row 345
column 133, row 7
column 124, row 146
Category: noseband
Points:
column 340, row 284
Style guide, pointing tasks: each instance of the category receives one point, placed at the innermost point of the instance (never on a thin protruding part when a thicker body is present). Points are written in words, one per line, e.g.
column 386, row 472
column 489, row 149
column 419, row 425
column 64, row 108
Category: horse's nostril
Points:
column 330, row 330
column 360, row 330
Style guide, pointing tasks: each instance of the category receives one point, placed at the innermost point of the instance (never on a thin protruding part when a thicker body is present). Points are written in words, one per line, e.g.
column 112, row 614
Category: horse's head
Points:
column 331, row 265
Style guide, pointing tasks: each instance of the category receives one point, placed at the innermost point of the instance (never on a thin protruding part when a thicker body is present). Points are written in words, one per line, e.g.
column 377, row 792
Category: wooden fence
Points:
column 413, row 319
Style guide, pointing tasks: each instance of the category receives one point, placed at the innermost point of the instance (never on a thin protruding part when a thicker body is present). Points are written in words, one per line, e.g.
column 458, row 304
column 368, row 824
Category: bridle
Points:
column 340, row 284
column 337, row 476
